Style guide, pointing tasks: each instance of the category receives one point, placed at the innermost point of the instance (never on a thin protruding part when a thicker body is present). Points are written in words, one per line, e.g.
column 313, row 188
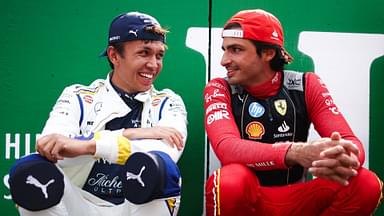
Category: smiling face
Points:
column 244, row 66
column 138, row 67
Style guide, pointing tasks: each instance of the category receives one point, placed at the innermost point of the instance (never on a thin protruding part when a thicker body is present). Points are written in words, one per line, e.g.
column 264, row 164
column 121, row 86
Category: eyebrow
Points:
column 231, row 46
column 148, row 48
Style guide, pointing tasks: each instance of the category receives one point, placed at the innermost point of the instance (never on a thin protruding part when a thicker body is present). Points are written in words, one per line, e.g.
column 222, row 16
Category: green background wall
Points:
column 47, row 45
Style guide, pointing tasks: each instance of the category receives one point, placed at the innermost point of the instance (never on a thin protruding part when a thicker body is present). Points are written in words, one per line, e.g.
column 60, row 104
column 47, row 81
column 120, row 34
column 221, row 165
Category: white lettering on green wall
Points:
column 5, row 181
column 13, row 143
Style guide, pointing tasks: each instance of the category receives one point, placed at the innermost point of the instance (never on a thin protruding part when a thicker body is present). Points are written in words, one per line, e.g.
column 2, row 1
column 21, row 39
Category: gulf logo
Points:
column 256, row 110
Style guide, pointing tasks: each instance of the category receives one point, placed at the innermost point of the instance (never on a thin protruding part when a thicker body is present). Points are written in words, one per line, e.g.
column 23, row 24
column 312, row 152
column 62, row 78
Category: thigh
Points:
column 309, row 198
column 58, row 210
column 72, row 203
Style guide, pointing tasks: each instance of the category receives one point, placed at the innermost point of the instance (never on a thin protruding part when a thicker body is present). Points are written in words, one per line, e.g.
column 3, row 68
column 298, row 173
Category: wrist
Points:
column 128, row 133
column 292, row 154
column 90, row 147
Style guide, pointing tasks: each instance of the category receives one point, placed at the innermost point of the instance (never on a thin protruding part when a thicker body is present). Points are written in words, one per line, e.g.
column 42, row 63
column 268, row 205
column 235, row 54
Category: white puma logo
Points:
column 137, row 177
column 133, row 32
column 33, row 181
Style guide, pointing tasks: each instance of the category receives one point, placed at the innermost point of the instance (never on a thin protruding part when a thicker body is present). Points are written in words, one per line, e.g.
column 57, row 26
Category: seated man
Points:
column 110, row 148
column 257, row 120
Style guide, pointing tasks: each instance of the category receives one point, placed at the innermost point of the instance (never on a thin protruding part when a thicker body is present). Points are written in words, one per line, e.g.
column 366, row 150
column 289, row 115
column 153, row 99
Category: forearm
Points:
column 146, row 145
column 117, row 146
column 261, row 156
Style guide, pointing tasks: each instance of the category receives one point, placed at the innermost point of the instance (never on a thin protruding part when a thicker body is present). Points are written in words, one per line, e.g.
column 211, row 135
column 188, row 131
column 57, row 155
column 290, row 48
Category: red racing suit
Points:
column 252, row 136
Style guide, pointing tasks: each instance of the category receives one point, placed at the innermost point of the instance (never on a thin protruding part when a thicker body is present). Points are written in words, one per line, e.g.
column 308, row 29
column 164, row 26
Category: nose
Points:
column 225, row 60
column 153, row 62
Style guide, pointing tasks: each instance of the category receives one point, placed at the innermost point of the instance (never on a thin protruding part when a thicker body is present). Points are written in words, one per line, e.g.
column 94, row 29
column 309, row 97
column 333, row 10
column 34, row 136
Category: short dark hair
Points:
column 278, row 61
column 119, row 47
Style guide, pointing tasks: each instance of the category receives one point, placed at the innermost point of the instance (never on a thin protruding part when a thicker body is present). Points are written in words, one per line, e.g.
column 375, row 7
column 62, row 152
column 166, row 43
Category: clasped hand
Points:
column 331, row 158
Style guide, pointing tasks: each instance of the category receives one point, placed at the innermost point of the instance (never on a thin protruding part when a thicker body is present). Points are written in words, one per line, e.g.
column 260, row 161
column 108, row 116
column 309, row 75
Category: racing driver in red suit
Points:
column 257, row 120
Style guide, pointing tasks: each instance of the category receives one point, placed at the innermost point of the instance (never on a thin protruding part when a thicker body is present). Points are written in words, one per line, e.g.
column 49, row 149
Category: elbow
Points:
column 222, row 155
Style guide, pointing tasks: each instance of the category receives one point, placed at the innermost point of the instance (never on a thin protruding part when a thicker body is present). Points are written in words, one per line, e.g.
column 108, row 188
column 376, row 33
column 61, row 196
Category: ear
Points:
column 268, row 54
column 113, row 55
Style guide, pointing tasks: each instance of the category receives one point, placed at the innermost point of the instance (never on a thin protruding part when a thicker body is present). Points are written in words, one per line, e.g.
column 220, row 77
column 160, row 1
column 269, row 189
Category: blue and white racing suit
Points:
column 84, row 111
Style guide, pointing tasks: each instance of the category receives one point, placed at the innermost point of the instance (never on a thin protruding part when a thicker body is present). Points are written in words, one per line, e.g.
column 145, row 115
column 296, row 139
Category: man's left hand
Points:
column 338, row 163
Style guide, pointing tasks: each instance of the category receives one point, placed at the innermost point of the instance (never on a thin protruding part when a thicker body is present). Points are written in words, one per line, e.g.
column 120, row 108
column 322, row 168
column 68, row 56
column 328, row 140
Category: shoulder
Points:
column 295, row 80
column 163, row 93
column 313, row 80
column 220, row 83
column 311, row 76
column 94, row 87
column 167, row 99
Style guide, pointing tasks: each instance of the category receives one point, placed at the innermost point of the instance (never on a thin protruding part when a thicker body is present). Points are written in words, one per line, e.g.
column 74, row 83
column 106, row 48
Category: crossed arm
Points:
column 56, row 146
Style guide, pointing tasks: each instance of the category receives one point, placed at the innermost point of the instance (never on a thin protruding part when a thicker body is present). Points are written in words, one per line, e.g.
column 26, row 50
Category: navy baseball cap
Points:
column 150, row 175
column 134, row 26
column 35, row 183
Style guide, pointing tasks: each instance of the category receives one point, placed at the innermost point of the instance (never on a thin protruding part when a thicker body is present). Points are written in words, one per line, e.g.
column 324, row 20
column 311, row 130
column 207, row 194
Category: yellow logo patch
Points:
column 281, row 106
column 172, row 206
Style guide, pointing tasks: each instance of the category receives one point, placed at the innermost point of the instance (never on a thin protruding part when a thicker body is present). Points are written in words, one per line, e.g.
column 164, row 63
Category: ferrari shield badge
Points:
column 281, row 106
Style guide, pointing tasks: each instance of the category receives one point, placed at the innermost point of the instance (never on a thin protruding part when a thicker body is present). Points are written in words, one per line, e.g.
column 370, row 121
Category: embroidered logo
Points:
column 172, row 205
column 137, row 177
column 255, row 130
column 156, row 101
column 275, row 35
column 256, row 110
column 33, row 181
column 133, row 32
column 283, row 127
column 281, row 106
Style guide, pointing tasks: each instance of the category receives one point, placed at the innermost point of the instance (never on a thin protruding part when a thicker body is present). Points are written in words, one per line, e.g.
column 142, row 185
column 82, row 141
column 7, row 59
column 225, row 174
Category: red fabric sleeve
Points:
column 225, row 137
column 324, row 114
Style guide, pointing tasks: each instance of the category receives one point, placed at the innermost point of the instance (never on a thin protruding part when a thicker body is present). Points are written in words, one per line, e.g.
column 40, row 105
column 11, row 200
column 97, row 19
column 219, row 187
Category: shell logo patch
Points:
column 255, row 130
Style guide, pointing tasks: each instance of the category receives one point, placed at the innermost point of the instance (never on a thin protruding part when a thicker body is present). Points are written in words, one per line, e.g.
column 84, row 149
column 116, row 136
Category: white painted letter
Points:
column 9, row 145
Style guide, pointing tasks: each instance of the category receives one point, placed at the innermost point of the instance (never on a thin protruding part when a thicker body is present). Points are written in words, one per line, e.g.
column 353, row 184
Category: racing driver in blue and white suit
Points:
column 93, row 130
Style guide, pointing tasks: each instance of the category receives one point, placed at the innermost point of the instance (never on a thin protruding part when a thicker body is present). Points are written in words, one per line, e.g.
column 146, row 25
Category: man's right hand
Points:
column 56, row 146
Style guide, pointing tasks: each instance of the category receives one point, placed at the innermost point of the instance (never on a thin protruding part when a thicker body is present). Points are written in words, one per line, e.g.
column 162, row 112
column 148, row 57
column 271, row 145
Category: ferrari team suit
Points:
column 251, row 129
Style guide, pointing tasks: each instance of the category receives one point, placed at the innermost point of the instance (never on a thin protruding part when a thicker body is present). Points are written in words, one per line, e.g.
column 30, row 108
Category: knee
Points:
column 367, row 181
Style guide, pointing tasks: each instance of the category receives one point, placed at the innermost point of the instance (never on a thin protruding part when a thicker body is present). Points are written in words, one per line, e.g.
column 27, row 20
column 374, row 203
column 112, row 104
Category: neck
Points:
column 262, row 78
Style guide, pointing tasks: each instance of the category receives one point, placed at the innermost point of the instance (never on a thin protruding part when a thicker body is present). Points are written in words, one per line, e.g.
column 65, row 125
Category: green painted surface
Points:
column 47, row 45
